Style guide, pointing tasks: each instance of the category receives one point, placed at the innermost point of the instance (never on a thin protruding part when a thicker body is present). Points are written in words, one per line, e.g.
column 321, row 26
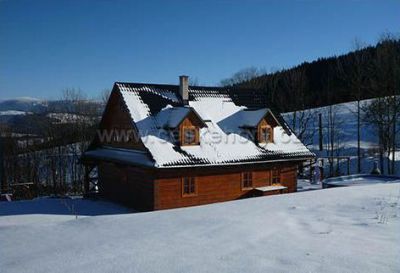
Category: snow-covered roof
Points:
column 222, row 141
column 251, row 118
column 171, row 117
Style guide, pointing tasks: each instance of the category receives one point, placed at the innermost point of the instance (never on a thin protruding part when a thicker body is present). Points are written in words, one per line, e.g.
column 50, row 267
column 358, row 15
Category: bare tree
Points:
column 383, row 114
column 333, row 125
column 243, row 75
column 334, row 135
column 384, row 111
column 300, row 120
column 82, row 119
column 104, row 96
column 355, row 74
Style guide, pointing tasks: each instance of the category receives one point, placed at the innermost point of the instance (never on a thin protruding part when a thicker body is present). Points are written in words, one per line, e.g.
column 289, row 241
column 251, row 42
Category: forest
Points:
column 367, row 72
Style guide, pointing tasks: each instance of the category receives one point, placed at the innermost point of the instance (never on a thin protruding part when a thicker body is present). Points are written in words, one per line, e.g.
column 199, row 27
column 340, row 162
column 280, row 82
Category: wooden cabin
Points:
column 168, row 146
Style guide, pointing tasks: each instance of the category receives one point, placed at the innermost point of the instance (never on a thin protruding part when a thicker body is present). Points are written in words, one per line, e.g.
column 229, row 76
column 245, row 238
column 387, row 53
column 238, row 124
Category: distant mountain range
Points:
column 38, row 106
column 24, row 104
column 21, row 113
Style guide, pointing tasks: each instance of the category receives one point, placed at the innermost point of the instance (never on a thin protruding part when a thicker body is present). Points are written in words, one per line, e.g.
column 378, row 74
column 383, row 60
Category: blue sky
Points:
column 47, row 46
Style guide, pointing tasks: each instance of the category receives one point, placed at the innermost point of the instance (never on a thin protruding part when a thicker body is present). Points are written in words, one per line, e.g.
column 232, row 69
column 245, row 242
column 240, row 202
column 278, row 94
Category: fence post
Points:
column 321, row 143
column 348, row 166
column 311, row 170
column 86, row 182
column 3, row 186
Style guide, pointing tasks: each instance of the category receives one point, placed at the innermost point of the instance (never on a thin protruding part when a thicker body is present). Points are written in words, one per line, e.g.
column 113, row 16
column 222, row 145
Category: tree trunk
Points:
column 394, row 137
column 358, row 138
column 381, row 166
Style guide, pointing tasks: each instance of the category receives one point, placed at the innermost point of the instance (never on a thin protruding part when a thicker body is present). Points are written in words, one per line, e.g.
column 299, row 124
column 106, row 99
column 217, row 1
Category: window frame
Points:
column 245, row 178
column 261, row 136
column 275, row 174
column 195, row 136
column 192, row 183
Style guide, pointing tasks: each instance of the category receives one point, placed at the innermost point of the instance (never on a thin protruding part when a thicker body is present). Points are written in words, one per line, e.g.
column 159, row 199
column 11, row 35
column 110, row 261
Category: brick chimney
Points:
column 184, row 88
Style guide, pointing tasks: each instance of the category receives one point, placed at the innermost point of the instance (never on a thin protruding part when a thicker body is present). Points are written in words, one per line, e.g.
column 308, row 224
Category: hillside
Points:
column 31, row 115
column 23, row 104
column 362, row 74
column 346, row 135
column 336, row 230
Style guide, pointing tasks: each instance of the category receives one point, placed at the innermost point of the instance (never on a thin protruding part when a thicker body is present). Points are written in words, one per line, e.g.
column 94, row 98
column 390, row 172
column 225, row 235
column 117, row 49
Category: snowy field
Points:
column 44, row 210
column 353, row 229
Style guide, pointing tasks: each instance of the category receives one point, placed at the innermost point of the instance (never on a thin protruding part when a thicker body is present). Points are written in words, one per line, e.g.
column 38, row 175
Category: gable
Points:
column 115, row 113
column 116, row 128
column 253, row 118
column 269, row 119
column 193, row 119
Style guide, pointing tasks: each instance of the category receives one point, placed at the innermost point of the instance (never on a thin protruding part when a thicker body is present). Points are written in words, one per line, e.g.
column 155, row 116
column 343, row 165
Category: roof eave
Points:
column 305, row 158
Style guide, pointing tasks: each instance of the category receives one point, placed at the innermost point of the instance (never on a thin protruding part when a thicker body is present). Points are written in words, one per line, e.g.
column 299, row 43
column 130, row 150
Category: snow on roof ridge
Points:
column 193, row 87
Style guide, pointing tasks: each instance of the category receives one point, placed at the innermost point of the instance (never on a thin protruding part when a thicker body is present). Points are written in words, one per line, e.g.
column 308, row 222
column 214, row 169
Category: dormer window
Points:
column 183, row 123
column 260, row 123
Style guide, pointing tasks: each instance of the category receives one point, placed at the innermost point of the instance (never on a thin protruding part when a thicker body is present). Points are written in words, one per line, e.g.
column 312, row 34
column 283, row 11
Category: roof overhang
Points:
column 299, row 159
column 118, row 155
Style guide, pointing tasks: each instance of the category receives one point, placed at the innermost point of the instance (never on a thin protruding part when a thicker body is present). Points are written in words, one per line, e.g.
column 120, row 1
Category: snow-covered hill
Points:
column 24, row 104
column 351, row 229
column 345, row 118
column 34, row 105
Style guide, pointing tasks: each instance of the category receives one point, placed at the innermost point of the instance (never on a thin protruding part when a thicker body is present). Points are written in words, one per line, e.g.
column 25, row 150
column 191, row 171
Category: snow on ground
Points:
column 12, row 113
column 53, row 209
column 353, row 229
column 306, row 185
column 359, row 180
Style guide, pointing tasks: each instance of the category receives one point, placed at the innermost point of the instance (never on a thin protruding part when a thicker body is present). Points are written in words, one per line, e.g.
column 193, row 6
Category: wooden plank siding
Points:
column 217, row 187
column 288, row 175
column 149, row 189
column 191, row 121
column 131, row 186
column 116, row 119
column 146, row 189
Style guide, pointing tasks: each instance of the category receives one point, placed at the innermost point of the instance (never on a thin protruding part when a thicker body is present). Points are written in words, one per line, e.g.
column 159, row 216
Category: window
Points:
column 276, row 176
column 189, row 135
column 265, row 134
column 247, row 180
column 188, row 186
